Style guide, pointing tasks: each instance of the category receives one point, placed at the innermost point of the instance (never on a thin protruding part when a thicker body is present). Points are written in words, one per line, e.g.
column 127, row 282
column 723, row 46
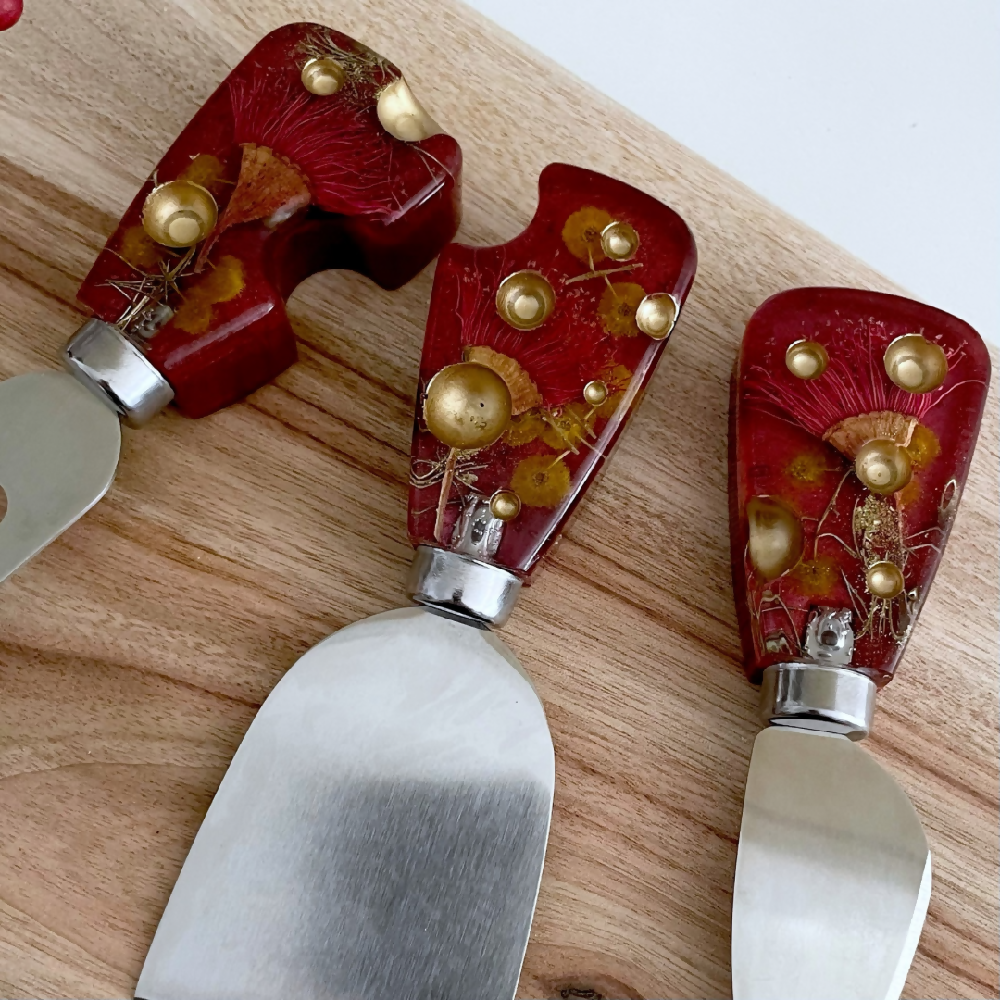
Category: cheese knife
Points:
column 853, row 422
column 312, row 154
column 382, row 827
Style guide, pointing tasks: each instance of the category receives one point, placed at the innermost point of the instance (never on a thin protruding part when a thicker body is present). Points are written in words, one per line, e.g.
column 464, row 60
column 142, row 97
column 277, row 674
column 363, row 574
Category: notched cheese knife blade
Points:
column 854, row 419
column 382, row 828
column 312, row 154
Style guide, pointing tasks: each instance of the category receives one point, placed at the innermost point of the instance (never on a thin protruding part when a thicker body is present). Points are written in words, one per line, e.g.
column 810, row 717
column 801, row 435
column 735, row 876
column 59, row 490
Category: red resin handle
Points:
column 304, row 179
column 558, row 314
column 853, row 422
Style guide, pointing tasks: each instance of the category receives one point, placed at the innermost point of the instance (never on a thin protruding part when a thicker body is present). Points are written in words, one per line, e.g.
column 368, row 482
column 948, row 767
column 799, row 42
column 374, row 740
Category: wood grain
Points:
column 135, row 650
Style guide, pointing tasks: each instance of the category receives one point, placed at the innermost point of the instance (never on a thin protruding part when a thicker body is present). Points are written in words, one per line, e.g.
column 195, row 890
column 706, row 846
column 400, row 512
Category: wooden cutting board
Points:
column 136, row 649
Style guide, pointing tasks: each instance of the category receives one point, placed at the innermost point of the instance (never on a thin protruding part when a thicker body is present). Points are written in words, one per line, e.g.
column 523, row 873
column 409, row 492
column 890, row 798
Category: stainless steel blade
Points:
column 59, row 447
column 379, row 834
column 833, row 875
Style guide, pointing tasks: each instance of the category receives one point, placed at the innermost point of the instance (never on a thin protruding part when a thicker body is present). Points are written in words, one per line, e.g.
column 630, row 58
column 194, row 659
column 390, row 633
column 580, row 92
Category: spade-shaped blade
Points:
column 833, row 875
column 59, row 447
column 380, row 832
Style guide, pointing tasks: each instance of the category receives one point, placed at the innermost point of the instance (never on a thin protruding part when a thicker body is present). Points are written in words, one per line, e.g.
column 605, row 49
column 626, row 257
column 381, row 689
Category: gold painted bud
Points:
column 323, row 76
column 775, row 537
column 883, row 466
column 402, row 115
column 619, row 240
column 467, row 406
column 885, row 580
column 915, row 364
column 656, row 314
column 179, row 214
column 525, row 300
column 595, row 392
column 505, row 505
column 806, row 359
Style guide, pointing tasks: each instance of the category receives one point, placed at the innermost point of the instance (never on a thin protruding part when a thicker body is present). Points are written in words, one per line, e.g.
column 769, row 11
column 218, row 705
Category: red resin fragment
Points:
column 556, row 441
column 10, row 13
column 304, row 182
column 806, row 531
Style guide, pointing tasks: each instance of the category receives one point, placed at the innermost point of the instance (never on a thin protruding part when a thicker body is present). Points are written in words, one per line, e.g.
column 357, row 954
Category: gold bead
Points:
column 883, row 466
column 775, row 536
column 885, row 580
column 656, row 314
column 505, row 505
column 806, row 359
column 323, row 76
column 915, row 364
column 467, row 406
column 595, row 392
column 619, row 240
column 179, row 214
column 402, row 115
column 525, row 300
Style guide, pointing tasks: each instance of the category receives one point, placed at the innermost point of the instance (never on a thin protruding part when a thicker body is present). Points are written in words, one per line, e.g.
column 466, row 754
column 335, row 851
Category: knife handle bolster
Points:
column 112, row 367
column 461, row 585
column 827, row 699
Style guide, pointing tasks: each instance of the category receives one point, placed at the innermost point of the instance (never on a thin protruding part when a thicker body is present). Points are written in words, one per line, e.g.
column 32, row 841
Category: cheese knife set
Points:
column 381, row 830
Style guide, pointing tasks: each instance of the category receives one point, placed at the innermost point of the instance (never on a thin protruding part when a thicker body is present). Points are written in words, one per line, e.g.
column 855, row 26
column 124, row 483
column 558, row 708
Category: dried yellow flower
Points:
column 220, row 284
column 566, row 427
column 206, row 170
column 617, row 378
column 524, row 429
column 582, row 233
column 809, row 467
column 815, row 576
column 924, row 446
column 524, row 394
column 617, row 308
column 909, row 494
column 541, row 481
column 140, row 250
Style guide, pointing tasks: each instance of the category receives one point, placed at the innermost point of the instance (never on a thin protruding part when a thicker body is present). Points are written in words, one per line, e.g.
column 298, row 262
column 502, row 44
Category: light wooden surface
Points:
column 135, row 650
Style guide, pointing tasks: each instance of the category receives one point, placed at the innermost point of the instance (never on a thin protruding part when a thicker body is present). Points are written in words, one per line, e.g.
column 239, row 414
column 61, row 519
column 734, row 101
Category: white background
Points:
column 876, row 122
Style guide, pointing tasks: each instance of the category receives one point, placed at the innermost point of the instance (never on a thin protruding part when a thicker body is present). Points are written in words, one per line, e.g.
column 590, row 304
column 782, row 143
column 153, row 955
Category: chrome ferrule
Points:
column 457, row 583
column 830, row 699
column 113, row 368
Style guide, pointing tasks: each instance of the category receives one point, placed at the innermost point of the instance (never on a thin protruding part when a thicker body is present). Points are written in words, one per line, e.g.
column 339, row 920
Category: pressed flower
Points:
column 815, row 576
column 617, row 308
column 924, row 446
column 617, row 378
column 566, row 427
column 219, row 284
column 269, row 187
column 541, row 480
column 849, row 435
column 140, row 250
column 524, row 394
column 524, row 429
column 207, row 170
column 809, row 467
column 582, row 233
column 909, row 494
